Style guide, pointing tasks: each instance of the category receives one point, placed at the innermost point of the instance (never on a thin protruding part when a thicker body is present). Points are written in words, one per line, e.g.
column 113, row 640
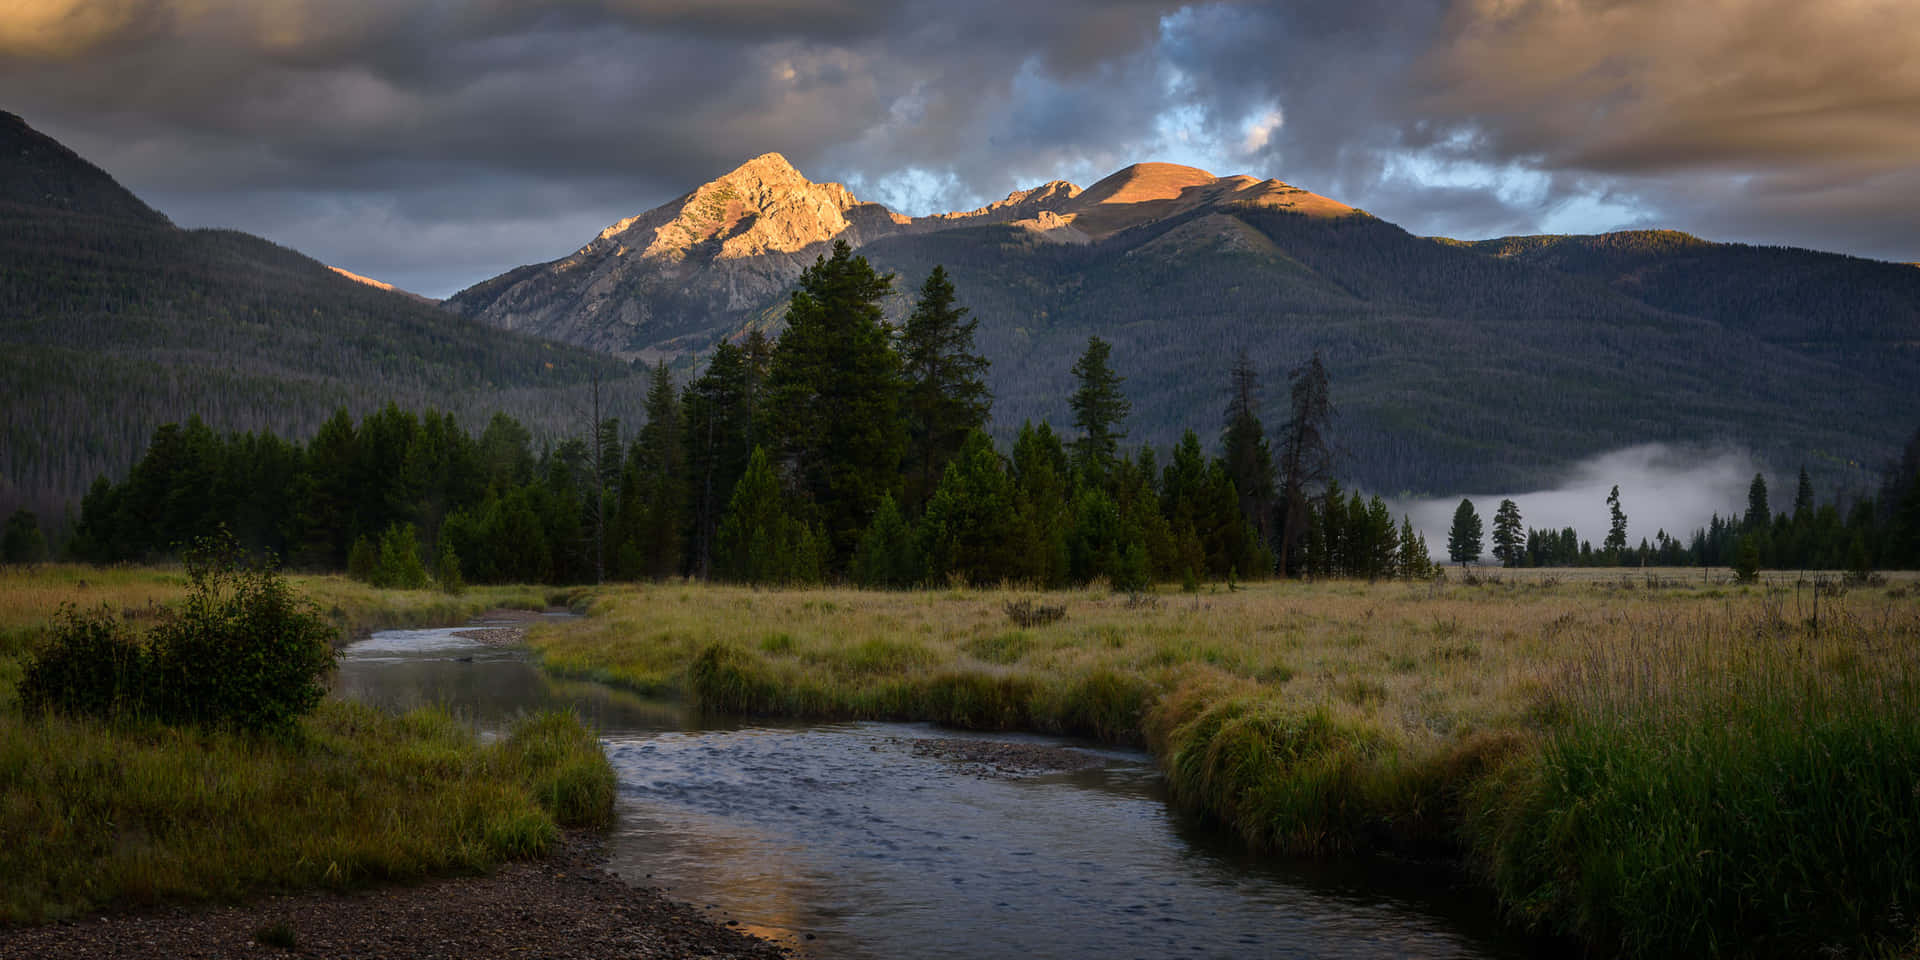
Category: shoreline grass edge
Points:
column 1654, row 772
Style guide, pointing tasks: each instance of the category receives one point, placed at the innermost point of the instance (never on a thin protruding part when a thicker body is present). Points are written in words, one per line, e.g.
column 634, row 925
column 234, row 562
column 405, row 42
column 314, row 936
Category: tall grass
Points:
column 101, row 814
column 1654, row 769
column 1735, row 785
column 131, row 811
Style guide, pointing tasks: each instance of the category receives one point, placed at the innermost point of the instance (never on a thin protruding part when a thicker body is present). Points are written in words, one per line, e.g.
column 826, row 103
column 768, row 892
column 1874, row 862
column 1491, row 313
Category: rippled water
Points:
column 837, row 839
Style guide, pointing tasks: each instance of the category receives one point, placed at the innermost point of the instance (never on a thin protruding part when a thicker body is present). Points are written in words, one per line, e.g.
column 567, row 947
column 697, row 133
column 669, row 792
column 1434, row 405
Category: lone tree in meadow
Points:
column 946, row 390
column 1463, row 539
column 1509, row 538
column 1616, row 542
column 1098, row 407
column 833, row 394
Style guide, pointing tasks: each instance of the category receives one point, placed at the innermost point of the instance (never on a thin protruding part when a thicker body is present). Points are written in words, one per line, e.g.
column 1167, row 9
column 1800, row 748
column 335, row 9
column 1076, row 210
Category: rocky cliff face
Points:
column 675, row 278
column 724, row 250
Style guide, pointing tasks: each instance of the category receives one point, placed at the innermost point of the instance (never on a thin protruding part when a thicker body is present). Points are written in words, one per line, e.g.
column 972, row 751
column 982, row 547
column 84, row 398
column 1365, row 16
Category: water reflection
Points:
column 487, row 685
column 837, row 839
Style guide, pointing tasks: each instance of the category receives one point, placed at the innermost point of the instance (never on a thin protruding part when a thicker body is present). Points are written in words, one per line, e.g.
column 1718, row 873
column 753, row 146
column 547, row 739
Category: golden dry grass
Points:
column 1417, row 661
column 1629, row 759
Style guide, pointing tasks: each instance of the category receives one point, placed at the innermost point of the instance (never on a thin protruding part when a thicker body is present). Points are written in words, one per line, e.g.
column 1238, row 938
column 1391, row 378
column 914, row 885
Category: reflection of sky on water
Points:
column 836, row 831
column 839, row 831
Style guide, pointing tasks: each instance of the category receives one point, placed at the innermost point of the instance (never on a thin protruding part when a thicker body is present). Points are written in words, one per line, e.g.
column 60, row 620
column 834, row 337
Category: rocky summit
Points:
column 668, row 281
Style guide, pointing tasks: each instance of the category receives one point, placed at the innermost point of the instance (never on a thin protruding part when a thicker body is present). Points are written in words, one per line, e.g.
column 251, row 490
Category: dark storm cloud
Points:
column 434, row 142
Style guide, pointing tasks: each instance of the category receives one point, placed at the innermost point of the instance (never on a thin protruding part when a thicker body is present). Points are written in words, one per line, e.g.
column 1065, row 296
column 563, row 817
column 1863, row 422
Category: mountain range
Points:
column 1455, row 365
column 114, row 321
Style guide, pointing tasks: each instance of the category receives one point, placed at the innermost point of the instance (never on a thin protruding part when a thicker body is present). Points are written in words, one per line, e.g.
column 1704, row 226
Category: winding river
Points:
column 843, row 839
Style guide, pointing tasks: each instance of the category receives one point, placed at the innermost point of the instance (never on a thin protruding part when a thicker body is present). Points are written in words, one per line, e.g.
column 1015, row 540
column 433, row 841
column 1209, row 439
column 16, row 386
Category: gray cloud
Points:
column 434, row 144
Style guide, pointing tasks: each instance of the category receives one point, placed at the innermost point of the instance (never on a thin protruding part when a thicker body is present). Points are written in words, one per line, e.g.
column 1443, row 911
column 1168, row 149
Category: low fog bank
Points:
column 1675, row 489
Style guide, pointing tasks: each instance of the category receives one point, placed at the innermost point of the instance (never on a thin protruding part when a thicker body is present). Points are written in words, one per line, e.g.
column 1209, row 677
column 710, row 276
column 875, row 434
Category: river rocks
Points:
column 563, row 907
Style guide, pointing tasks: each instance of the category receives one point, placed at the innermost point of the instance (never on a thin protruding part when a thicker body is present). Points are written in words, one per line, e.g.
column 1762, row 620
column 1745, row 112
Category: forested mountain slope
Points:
column 1451, row 370
column 113, row 321
column 1455, row 366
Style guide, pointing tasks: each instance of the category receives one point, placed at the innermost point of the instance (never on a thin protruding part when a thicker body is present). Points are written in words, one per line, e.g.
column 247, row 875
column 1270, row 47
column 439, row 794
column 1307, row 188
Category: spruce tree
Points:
column 1042, row 505
column 968, row 528
column 1615, row 545
column 1508, row 546
column 1413, row 562
column 717, row 416
column 946, row 392
column 1463, row 538
column 1383, row 541
column 1098, row 407
column 833, row 395
column 659, row 462
column 887, row 556
column 1803, row 499
column 1306, row 457
column 1249, row 459
column 760, row 541
column 1759, row 515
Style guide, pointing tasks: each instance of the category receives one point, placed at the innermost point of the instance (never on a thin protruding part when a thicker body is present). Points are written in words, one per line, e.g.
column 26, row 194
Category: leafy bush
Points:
column 91, row 663
column 446, row 571
column 242, row 650
column 23, row 541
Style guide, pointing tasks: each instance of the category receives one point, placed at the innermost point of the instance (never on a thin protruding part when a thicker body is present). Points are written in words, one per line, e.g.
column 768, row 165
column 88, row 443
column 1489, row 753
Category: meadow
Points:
column 123, row 812
column 1655, row 762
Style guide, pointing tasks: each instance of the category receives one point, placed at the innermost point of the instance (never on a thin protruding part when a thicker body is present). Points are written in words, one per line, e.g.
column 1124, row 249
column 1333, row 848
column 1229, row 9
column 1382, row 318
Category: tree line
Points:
column 846, row 450
column 1881, row 532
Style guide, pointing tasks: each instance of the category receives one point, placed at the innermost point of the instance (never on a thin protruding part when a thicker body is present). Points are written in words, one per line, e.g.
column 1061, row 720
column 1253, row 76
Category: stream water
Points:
column 841, row 841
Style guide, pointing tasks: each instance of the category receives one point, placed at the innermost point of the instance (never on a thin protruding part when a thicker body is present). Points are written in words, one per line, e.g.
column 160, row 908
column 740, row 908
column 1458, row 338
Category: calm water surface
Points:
column 836, row 839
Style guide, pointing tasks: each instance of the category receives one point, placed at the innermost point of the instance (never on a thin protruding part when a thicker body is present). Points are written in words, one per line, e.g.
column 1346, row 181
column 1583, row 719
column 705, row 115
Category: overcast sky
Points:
column 434, row 143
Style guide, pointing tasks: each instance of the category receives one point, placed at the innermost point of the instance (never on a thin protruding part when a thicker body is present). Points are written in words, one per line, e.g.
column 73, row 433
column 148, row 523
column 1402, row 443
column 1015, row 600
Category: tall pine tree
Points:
column 946, row 392
column 1249, row 460
column 717, row 413
column 1098, row 407
column 833, row 395
column 660, row 462
column 1509, row 544
column 1463, row 538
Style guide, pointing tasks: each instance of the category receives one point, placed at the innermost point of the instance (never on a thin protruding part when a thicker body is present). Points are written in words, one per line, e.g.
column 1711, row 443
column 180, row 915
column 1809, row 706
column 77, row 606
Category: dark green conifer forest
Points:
column 804, row 460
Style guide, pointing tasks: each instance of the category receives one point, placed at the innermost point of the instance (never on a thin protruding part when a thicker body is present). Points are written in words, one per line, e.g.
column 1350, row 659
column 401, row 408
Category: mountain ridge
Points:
column 114, row 321
column 734, row 243
column 1461, row 363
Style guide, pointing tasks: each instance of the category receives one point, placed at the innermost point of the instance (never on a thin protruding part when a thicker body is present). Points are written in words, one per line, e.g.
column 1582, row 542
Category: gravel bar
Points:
column 563, row 906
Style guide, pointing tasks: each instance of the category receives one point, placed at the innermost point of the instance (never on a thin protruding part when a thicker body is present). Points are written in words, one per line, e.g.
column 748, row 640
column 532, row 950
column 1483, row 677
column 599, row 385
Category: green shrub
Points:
column 241, row 650
column 23, row 541
column 89, row 664
column 363, row 561
column 446, row 570
column 400, row 564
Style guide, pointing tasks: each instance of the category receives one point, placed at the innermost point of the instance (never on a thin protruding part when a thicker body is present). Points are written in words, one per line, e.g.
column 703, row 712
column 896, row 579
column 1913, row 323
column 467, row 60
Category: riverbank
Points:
column 1645, row 763
column 564, row 905
column 411, row 837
